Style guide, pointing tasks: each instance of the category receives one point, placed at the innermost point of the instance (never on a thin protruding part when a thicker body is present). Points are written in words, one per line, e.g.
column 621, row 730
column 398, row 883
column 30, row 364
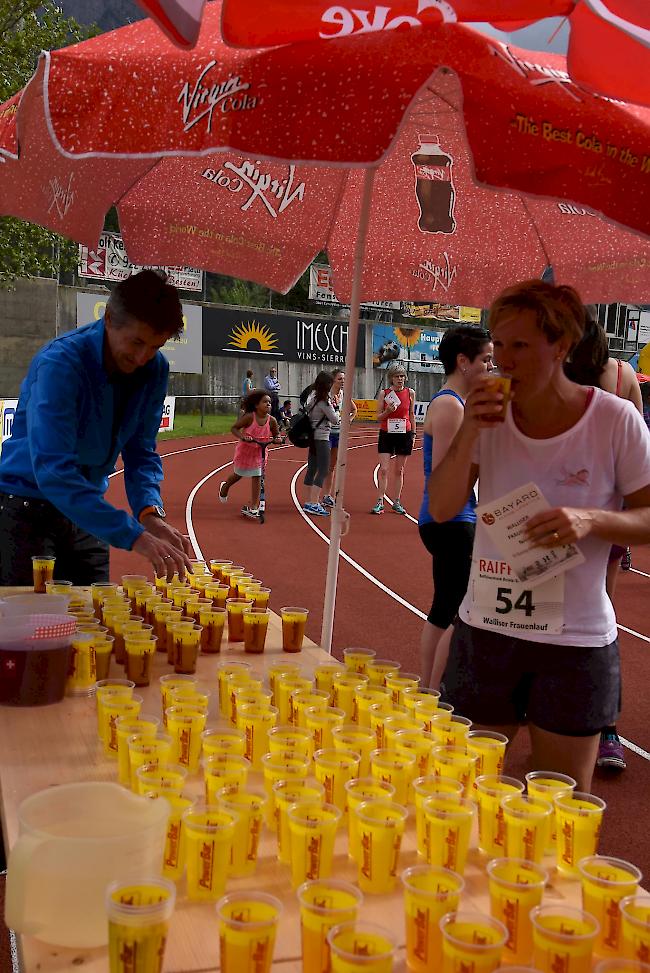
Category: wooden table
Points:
column 58, row 744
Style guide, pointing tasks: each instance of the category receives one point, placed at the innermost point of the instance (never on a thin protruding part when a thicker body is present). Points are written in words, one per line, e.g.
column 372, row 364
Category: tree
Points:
column 27, row 27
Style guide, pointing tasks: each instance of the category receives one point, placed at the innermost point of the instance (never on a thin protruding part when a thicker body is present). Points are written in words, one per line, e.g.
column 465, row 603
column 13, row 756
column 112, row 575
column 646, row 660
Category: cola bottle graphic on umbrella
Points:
column 434, row 186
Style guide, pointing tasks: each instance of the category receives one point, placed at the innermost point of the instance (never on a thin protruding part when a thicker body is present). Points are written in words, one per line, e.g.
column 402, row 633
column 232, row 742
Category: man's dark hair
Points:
column 147, row 297
column 462, row 339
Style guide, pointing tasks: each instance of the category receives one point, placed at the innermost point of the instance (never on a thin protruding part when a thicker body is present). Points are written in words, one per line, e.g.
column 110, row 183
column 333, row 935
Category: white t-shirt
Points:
column 604, row 457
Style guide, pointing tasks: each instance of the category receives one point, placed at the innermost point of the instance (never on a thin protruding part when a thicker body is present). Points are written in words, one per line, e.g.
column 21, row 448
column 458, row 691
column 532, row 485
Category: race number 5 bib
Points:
column 397, row 425
column 498, row 601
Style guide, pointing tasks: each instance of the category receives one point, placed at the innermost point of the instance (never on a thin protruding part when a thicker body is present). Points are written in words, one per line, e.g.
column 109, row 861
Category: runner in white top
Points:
column 544, row 653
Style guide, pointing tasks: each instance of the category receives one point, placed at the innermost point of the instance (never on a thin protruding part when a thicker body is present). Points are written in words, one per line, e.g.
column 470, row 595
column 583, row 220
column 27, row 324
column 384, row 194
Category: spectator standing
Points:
column 272, row 386
column 336, row 398
column 247, row 385
column 322, row 417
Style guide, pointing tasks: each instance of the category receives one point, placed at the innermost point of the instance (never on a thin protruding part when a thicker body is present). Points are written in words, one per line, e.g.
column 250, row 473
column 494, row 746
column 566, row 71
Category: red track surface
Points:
column 291, row 557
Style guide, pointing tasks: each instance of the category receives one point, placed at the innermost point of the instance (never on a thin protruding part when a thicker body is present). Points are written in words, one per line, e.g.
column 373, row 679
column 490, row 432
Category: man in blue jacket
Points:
column 89, row 396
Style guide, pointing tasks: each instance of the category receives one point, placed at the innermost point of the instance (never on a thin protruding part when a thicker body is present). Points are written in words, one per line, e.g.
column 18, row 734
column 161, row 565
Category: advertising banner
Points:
column 184, row 355
column 417, row 348
column 290, row 337
column 7, row 411
column 110, row 262
column 442, row 312
column 366, row 410
column 321, row 289
column 168, row 413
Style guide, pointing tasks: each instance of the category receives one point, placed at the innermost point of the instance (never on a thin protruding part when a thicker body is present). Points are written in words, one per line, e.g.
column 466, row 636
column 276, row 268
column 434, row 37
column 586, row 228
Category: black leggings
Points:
column 450, row 546
column 318, row 462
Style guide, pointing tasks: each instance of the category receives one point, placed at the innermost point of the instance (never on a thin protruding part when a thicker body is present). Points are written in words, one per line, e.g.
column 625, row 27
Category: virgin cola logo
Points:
column 340, row 21
column 201, row 98
column 61, row 195
column 274, row 193
column 440, row 275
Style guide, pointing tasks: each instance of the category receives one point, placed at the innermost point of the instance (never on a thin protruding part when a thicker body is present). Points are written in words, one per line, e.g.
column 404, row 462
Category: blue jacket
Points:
column 71, row 424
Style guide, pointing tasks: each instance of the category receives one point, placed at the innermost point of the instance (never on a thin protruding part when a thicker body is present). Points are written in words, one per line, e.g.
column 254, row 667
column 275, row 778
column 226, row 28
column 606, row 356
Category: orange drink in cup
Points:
column 224, row 670
column 429, row 894
column 216, row 564
column 300, row 700
column 396, row 768
column 255, row 720
column 355, row 739
column 499, row 381
column 563, row 938
column 82, row 666
column 380, row 829
column 333, row 769
column 448, row 830
column 489, row 790
column 103, row 651
column 395, row 722
column 579, row 817
column 277, row 669
column 241, row 583
column 490, row 750
column 635, row 913
column 260, row 596
column 366, row 696
column 151, row 751
column 516, row 886
column 527, row 821
column 112, row 708
column 312, row 829
column 146, row 726
column 248, row 806
column 344, row 687
column 285, row 684
column 324, row 903
column 185, row 729
column 547, row 786
column 321, row 724
column 174, row 852
column 224, row 770
column 236, row 608
column 248, row 923
column 43, row 571
column 209, row 835
column 226, row 739
column 605, row 881
column 138, row 922
column 286, row 793
column 359, row 790
column 168, row 683
column 282, row 766
column 420, row 743
column 294, row 622
column 110, row 687
column 455, row 762
column 471, row 941
column 324, row 673
column 256, row 623
column 397, row 682
column 361, row 947
column 212, row 621
column 423, row 788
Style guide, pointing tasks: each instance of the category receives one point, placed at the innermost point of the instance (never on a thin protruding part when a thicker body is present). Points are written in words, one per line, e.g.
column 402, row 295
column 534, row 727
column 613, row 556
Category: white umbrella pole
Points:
column 338, row 515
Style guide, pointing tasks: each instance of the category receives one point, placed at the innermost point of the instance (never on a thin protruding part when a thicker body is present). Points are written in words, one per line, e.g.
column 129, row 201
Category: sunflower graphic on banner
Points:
column 417, row 348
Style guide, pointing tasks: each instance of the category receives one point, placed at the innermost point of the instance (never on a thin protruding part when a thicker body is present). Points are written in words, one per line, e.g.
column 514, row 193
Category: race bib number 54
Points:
column 502, row 603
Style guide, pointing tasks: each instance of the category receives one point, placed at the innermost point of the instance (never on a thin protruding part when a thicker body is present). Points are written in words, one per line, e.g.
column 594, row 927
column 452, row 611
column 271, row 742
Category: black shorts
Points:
column 450, row 546
column 395, row 443
column 498, row 680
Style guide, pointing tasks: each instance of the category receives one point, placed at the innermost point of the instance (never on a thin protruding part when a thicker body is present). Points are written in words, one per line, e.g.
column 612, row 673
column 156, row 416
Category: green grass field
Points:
column 185, row 426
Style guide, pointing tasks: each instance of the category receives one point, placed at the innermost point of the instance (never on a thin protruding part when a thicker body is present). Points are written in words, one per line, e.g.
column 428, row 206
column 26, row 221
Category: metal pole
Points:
column 202, row 411
column 338, row 515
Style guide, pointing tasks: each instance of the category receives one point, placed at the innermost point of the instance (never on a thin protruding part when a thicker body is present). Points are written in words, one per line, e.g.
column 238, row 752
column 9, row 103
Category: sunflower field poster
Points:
column 417, row 348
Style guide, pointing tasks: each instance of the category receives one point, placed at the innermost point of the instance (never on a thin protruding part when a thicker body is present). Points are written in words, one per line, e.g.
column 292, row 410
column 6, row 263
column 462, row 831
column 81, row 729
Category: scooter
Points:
column 261, row 507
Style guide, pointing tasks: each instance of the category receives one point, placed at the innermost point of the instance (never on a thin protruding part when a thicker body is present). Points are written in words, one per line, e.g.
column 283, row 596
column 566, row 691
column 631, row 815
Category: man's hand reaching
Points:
column 164, row 547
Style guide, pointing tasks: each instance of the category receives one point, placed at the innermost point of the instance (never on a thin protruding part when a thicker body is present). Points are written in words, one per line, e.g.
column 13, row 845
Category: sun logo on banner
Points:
column 408, row 337
column 243, row 336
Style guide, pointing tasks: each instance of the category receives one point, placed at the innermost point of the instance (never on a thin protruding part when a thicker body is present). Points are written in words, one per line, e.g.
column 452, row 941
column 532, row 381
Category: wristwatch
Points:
column 158, row 511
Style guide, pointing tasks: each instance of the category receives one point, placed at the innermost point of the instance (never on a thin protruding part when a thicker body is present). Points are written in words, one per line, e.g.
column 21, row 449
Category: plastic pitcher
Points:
column 74, row 840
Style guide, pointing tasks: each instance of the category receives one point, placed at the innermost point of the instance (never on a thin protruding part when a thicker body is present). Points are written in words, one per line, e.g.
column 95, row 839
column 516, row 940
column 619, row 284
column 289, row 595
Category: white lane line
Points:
column 633, row 747
column 178, row 452
column 630, row 631
column 644, row 573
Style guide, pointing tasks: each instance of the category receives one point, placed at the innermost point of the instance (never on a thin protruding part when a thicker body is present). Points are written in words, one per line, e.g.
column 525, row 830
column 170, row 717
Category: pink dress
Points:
column 247, row 460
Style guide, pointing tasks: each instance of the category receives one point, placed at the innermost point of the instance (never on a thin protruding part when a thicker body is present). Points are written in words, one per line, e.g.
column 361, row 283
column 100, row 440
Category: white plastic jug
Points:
column 74, row 839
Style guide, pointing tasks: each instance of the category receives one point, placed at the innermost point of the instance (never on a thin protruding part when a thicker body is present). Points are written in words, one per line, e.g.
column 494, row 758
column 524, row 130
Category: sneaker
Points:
column 252, row 512
column 610, row 752
column 398, row 508
column 626, row 560
column 328, row 501
column 223, row 497
column 315, row 509
column 378, row 507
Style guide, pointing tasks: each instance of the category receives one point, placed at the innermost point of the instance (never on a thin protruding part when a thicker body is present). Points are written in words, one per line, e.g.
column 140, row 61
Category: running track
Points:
column 384, row 585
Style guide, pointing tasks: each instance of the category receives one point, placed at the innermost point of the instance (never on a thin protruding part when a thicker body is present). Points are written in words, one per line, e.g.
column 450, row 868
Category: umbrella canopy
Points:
column 179, row 19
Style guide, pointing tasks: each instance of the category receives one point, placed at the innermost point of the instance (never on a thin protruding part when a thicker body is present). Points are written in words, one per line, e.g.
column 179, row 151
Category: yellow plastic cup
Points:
column 397, row 769
column 82, row 666
column 224, row 671
column 43, row 572
column 361, row 947
column 209, row 835
column 548, row 786
column 344, row 688
column 294, row 622
column 448, row 830
column 186, row 647
column 365, row 697
column 321, row 723
column 255, row 721
column 324, row 674
column 301, row 699
column 260, row 597
column 223, row 740
column 471, row 941
column 241, row 583
column 100, row 590
column 380, row 829
column 290, row 738
column 139, row 654
column 174, row 854
column 420, row 744
column 324, row 903
column 605, row 881
column 285, row 685
column 394, row 722
column 563, row 938
column 216, row 564
column 397, row 682
column 616, row 966
column 185, row 729
column 429, row 894
column 579, row 818
column 489, row 790
column 455, row 762
column 256, row 623
column 356, row 659
column 103, row 652
column 146, row 726
column 248, row 923
column 516, row 886
column 378, row 669
column 450, row 730
column 212, row 621
column 379, row 713
column 358, row 791
column 147, row 750
column 251, row 689
column 286, row 793
column 355, row 739
column 249, row 808
column 170, row 682
column 219, row 593
column 194, row 696
column 222, row 770
column 312, row 827
column 423, row 788
column 333, row 768
column 635, row 913
column 162, row 781
column 138, row 924
column 281, row 765
column 490, row 750
column 112, row 708
column 278, row 669
column 248, row 695
column 527, row 821
column 413, row 695
column 236, row 608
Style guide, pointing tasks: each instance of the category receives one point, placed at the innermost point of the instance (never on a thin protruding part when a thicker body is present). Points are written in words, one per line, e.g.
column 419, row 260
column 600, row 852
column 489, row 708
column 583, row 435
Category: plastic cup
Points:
column 489, row 790
column 605, row 881
column 249, row 808
column 423, row 788
column 635, row 912
column 448, row 830
column 216, row 565
column 355, row 739
column 103, row 652
column 209, row 834
column 527, row 821
column 132, row 581
column 312, row 827
column 395, row 768
column 236, row 681
column 579, row 817
column 294, row 622
column 139, row 654
column 186, row 647
column 358, row 791
column 324, row 674
column 235, row 608
column 285, row 684
column 321, row 723
column 256, row 623
column 223, row 740
column 394, row 722
column 449, row 729
column 286, row 793
column 146, row 726
column 185, row 730
column 100, row 590
column 168, row 683
column 147, row 751
column 471, row 941
column 356, row 660
column 234, row 581
column 563, row 938
column 260, row 597
column 43, row 571
column 429, row 894
column 138, row 923
column 324, row 903
column 282, row 766
column 618, row 966
column 379, row 713
column 548, row 786
column 397, row 682
column 224, row 770
column 516, row 886
column 361, row 947
column 277, row 669
column 420, row 744
column 255, row 721
column 112, row 708
column 290, row 739
column 115, row 688
column 380, row 828
column 344, row 687
column 301, row 699
column 420, row 694
column 241, row 582
column 248, row 923
column 248, row 695
column 365, row 697
column 174, row 854
column 490, row 750
column 218, row 593
column 162, row 781
column 378, row 669
column 212, row 622
column 190, row 695
column 82, row 666
column 176, row 623
column 224, row 670
column 499, row 381
column 333, row 769
column 457, row 763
